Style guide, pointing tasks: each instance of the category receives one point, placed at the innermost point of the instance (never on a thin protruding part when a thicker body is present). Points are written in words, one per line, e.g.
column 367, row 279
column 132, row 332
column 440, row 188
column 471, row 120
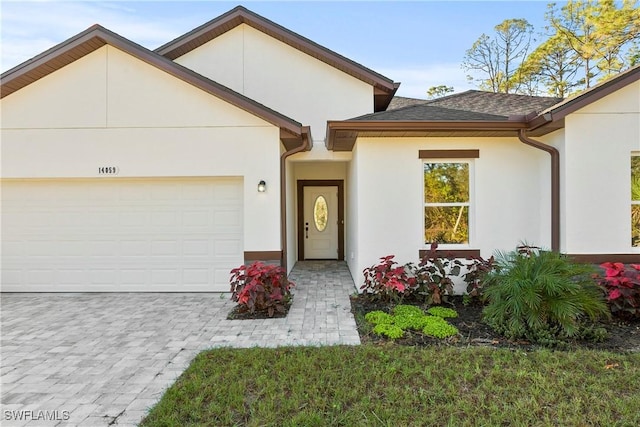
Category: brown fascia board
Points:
column 240, row 15
column 561, row 110
column 97, row 36
column 418, row 125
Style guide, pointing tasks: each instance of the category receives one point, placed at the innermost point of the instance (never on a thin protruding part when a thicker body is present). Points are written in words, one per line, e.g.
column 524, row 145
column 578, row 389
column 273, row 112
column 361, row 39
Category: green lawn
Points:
column 402, row 386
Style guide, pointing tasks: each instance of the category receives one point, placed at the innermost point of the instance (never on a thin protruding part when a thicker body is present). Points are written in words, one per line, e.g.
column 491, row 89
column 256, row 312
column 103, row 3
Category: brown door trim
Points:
column 321, row 183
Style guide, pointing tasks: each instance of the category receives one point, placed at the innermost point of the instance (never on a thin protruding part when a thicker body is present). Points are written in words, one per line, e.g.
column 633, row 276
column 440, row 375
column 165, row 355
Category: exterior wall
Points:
column 599, row 141
column 109, row 109
column 281, row 77
column 352, row 225
column 292, row 240
column 507, row 192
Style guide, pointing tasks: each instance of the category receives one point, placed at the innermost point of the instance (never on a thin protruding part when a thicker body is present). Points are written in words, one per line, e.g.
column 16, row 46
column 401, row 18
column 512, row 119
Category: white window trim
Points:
column 471, row 204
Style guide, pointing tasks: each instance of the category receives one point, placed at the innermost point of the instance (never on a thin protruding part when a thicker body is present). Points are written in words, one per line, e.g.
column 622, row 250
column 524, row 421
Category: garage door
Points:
column 120, row 235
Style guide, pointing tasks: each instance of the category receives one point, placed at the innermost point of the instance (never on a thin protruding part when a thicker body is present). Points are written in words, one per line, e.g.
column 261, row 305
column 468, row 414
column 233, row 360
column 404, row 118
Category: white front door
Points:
column 320, row 222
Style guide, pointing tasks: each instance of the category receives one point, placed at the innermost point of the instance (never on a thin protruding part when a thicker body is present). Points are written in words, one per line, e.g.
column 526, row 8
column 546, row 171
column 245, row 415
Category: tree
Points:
column 553, row 65
column 439, row 91
column 497, row 58
column 598, row 32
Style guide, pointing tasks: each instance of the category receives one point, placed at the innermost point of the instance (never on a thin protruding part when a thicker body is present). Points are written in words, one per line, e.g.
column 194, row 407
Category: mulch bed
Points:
column 623, row 336
column 238, row 313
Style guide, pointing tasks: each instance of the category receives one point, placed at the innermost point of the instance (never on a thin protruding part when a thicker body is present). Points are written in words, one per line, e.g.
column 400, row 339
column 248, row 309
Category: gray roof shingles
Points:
column 472, row 105
column 430, row 112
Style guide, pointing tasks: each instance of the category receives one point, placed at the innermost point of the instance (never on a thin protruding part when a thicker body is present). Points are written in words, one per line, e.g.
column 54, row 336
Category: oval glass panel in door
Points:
column 320, row 213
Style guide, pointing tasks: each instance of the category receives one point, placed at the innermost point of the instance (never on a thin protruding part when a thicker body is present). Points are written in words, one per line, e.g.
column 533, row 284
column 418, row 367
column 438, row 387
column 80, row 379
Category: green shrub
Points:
column 406, row 322
column 443, row 312
column 409, row 317
column 407, row 310
column 378, row 317
column 541, row 296
column 438, row 327
column 388, row 330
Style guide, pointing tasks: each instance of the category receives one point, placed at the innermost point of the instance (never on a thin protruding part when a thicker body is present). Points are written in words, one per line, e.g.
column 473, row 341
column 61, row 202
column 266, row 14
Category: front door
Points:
column 320, row 222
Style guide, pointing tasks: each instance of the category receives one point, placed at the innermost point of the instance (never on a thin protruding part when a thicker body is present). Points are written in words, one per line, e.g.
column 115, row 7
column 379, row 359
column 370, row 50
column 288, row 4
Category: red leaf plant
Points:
column 259, row 287
column 388, row 280
column 622, row 288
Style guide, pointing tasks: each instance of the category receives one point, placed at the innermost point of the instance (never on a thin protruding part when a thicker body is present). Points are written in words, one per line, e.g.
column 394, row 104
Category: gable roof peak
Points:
column 384, row 88
column 96, row 36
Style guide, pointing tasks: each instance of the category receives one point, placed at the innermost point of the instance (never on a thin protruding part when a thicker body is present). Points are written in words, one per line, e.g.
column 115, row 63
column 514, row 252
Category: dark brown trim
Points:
column 262, row 256
column 555, row 185
column 96, row 36
column 321, row 183
column 600, row 258
column 384, row 88
column 449, row 154
column 593, row 94
column 306, row 145
column 347, row 131
column 458, row 253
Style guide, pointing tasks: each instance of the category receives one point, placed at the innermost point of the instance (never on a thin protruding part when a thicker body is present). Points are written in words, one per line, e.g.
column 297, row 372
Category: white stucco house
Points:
column 126, row 169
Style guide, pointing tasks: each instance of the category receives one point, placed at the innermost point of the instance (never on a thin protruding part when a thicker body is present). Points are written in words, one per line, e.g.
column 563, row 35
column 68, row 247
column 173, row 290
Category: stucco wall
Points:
column 599, row 141
column 351, row 218
column 109, row 109
column 281, row 77
column 507, row 193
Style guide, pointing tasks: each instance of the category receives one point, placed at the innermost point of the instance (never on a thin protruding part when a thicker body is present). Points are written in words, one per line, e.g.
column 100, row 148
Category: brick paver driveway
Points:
column 106, row 358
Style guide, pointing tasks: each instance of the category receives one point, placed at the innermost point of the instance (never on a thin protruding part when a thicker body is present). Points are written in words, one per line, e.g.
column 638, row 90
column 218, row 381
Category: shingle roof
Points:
column 472, row 105
column 402, row 101
column 429, row 112
column 503, row 104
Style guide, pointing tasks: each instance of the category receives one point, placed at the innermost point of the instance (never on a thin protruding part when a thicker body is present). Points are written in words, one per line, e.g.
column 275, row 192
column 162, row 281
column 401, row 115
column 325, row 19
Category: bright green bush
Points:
column 378, row 317
column 438, row 327
column 388, row 330
column 409, row 317
column 406, row 322
column 541, row 296
column 407, row 310
column 443, row 312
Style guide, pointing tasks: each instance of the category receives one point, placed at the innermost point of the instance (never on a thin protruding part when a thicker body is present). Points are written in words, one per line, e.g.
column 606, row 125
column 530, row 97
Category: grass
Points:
column 394, row 385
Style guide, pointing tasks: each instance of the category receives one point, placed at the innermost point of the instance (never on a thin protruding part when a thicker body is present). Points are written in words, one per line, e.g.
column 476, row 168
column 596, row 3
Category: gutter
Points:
column 306, row 137
column 555, row 185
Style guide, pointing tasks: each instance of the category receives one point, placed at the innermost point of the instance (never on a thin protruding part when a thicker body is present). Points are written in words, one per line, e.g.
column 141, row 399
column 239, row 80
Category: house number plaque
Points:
column 108, row 170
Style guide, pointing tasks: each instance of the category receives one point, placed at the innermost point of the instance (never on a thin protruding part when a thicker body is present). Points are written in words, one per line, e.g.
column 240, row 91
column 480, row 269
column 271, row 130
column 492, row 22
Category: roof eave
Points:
column 356, row 127
column 562, row 109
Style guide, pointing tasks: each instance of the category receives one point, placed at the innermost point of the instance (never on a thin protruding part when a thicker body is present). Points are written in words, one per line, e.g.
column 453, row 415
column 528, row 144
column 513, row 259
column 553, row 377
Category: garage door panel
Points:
column 121, row 235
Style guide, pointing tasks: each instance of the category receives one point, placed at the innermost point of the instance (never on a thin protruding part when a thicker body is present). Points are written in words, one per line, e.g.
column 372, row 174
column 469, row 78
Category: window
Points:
column 320, row 213
column 447, row 202
column 635, row 201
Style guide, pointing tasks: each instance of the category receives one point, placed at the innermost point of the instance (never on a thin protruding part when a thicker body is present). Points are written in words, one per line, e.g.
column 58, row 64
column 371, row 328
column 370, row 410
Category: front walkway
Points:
column 106, row 358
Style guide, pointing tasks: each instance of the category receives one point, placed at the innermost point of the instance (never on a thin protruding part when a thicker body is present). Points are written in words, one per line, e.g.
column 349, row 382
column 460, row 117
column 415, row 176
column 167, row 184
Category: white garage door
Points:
column 120, row 235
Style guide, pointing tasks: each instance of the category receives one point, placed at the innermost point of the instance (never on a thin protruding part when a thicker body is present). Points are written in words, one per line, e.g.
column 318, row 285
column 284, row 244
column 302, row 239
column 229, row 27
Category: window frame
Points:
column 470, row 204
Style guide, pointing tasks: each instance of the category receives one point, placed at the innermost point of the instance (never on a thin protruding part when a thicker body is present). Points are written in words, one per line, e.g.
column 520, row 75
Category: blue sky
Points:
column 420, row 43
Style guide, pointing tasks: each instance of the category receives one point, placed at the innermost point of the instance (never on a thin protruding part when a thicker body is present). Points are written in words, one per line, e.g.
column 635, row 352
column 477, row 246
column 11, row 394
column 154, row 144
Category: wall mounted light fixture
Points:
column 262, row 186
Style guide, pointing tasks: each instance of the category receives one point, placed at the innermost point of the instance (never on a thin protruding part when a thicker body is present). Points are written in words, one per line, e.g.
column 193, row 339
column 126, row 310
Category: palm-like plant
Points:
column 539, row 295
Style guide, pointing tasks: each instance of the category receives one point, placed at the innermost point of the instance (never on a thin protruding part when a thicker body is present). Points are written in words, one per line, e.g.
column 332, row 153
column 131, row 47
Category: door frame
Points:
column 321, row 183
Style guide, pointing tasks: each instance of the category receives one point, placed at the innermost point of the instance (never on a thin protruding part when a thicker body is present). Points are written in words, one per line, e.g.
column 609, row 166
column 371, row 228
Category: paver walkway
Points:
column 105, row 359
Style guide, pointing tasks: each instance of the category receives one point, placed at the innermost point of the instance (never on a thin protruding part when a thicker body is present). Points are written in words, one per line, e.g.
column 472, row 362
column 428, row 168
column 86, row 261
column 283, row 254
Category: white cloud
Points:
column 417, row 79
